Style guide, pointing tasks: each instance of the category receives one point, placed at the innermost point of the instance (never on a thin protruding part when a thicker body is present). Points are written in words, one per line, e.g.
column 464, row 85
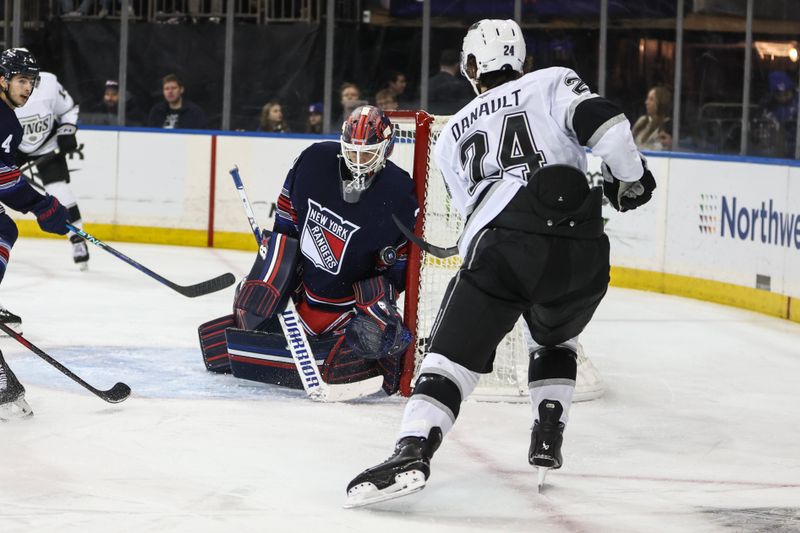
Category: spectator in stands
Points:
column 104, row 112
column 386, row 100
column 396, row 82
column 658, row 106
column 272, row 118
column 448, row 90
column 780, row 108
column 314, row 119
column 350, row 98
column 175, row 112
column 665, row 135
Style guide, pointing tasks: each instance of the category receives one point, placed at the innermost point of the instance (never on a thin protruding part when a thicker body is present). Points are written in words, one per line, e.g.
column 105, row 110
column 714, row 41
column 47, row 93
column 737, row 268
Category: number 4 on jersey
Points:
column 7, row 143
column 517, row 149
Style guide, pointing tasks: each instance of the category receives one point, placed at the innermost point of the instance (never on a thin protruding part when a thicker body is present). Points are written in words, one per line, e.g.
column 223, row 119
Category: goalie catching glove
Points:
column 377, row 330
column 627, row 195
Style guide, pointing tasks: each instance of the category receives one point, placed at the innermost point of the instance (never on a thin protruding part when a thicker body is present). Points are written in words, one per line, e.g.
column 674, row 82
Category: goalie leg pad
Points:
column 269, row 283
column 213, row 345
column 264, row 356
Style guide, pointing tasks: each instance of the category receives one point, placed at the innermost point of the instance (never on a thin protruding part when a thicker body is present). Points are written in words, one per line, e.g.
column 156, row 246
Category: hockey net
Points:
column 439, row 223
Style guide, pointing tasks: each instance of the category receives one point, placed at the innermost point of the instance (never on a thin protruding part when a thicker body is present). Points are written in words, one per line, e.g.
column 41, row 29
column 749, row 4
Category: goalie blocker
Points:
column 250, row 343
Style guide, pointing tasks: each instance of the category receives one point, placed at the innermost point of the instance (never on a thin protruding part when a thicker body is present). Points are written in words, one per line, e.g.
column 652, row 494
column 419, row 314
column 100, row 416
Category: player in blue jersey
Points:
column 19, row 73
column 343, row 262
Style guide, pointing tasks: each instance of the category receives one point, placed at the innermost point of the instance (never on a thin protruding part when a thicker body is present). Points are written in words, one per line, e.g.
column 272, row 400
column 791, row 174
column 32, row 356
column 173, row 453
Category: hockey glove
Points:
column 377, row 330
column 627, row 195
column 65, row 137
column 51, row 215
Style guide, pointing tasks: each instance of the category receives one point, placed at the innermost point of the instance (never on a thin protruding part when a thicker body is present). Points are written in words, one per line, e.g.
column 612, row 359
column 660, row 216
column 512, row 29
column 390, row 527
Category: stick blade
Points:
column 436, row 251
column 117, row 393
column 206, row 287
column 350, row 391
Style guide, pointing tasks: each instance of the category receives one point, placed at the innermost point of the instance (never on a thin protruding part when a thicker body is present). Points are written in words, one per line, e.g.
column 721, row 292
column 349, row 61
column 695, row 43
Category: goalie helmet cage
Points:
column 426, row 280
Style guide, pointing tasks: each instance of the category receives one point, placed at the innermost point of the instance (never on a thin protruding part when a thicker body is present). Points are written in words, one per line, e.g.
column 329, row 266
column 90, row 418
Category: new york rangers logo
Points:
column 325, row 237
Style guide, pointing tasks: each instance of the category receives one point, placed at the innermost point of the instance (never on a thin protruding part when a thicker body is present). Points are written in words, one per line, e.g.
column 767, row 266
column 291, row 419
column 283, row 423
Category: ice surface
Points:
column 698, row 430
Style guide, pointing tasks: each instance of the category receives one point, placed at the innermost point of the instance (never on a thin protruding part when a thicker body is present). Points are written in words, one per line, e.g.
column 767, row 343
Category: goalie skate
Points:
column 12, row 395
column 546, row 439
column 404, row 473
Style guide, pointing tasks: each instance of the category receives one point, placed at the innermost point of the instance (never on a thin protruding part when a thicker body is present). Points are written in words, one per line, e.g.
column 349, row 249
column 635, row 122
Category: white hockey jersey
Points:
column 488, row 149
column 49, row 106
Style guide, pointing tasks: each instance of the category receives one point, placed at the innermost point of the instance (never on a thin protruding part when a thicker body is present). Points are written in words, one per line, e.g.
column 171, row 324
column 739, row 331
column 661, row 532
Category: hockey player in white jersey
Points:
column 49, row 122
column 533, row 246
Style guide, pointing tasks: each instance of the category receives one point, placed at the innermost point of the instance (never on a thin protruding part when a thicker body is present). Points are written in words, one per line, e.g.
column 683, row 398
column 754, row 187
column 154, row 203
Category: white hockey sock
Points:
column 561, row 393
column 425, row 410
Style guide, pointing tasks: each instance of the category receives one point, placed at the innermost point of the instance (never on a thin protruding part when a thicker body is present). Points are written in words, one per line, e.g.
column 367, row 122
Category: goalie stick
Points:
column 299, row 347
column 436, row 251
column 190, row 291
column 115, row 394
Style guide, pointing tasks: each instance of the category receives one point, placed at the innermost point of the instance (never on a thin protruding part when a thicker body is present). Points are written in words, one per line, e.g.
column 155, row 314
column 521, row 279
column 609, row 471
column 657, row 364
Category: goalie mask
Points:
column 367, row 140
column 495, row 45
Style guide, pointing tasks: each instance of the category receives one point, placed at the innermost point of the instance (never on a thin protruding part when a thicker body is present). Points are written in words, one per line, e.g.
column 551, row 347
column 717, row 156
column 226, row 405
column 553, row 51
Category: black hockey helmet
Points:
column 18, row 61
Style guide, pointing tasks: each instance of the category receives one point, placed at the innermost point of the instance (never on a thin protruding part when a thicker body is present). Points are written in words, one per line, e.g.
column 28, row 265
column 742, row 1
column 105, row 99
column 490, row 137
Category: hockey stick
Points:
column 28, row 165
column 115, row 394
column 299, row 347
column 435, row 251
column 190, row 291
column 248, row 210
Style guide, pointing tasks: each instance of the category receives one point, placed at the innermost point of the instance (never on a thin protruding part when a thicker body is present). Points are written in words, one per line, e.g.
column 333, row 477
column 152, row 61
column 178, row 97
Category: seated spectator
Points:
column 448, row 91
column 665, row 135
column 105, row 111
column 314, row 120
column 386, row 100
column 272, row 118
column 658, row 106
column 397, row 83
column 175, row 112
column 350, row 98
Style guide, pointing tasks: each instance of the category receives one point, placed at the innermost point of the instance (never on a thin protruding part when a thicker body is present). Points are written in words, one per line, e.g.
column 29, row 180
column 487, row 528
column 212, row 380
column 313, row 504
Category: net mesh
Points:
column 442, row 227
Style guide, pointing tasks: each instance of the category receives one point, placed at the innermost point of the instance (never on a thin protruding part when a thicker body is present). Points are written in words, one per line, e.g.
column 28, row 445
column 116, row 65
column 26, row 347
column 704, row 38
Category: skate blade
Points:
column 367, row 493
column 17, row 409
column 541, row 472
column 84, row 266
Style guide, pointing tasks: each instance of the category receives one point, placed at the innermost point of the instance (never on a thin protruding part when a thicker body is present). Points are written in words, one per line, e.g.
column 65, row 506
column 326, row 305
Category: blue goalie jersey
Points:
column 340, row 242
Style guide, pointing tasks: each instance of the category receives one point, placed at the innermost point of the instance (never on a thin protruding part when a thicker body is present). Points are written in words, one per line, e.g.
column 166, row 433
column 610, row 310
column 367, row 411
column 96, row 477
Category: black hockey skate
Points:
column 12, row 395
column 80, row 252
column 11, row 320
column 405, row 472
column 546, row 439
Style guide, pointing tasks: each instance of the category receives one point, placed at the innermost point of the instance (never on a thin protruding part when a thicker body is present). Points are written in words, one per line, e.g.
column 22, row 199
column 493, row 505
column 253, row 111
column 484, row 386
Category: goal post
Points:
column 427, row 277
